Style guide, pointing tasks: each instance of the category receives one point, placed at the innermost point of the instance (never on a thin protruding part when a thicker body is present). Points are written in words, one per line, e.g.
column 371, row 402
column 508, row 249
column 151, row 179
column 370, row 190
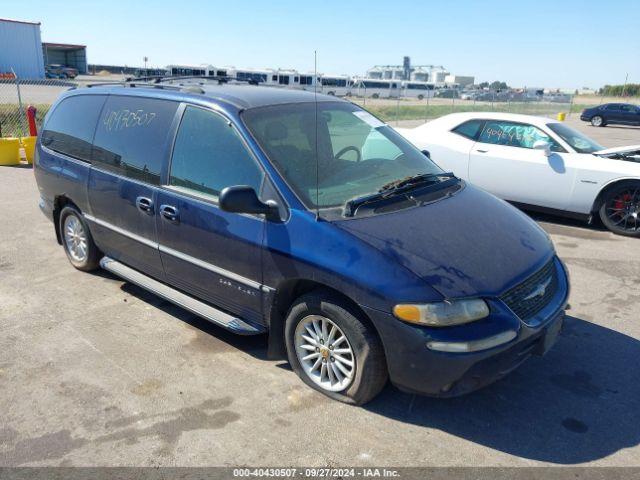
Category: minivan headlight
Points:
column 443, row 314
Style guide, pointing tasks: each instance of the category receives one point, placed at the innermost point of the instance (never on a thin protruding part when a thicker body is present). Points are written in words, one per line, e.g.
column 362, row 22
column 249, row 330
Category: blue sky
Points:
column 552, row 43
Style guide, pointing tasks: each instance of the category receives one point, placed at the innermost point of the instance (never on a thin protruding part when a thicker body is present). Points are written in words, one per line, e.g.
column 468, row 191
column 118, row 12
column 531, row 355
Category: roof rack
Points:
column 138, row 85
column 160, row 82
column 215, row 78
column 167, row 78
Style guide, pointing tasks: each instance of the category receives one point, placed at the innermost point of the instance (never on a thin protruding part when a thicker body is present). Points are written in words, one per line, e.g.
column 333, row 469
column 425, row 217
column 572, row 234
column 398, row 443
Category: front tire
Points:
column 620, row 210
column 77, row 241
column 597, row 121
column 333, row 350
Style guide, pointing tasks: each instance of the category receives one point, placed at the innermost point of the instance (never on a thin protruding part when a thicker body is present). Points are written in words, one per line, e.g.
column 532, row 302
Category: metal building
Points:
column 66, row 54
column 21, row 49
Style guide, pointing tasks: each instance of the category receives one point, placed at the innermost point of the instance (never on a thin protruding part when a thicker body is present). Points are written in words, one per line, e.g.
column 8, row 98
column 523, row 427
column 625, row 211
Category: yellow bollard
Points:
column 29, row 145
column 9, row 151
column 562, row 116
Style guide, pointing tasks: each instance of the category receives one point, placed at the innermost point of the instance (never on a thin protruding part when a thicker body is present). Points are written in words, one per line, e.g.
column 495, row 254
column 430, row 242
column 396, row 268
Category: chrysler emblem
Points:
column 539, row 290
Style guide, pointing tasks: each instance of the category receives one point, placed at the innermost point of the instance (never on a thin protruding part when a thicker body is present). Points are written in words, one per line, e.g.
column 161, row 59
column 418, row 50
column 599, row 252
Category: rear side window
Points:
column 209, row 155
column 469, row 129
column 131, row 136
column 70, row 128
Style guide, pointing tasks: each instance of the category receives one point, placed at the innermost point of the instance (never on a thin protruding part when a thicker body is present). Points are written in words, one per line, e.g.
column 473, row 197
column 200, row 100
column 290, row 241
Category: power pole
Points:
column 626, row 77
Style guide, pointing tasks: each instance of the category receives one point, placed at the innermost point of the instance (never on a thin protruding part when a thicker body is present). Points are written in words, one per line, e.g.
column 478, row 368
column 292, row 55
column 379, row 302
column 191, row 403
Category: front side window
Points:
column 131, row 136
column 578, row 141
column 70, row 127
column 209, row 155
column 347, row 153
column 512, row 134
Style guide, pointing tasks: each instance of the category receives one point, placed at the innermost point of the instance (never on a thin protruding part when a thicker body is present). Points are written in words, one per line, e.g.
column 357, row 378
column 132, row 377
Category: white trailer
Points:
column 337, row 85
column 375, row 88
column 196, row 71
column 419, row 90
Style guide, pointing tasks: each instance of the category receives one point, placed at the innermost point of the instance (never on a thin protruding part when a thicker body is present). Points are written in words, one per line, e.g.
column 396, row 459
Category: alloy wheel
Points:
column 623, row 210
column 75, row 238
column 325, row 354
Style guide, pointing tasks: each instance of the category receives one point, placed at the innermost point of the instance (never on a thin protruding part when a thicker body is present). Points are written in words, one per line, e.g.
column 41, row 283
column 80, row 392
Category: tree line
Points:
column 628, row 90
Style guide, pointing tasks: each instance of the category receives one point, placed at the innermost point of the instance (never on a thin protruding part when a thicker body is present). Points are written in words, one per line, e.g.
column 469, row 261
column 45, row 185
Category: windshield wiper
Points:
column 394, row 188
column 413, row 180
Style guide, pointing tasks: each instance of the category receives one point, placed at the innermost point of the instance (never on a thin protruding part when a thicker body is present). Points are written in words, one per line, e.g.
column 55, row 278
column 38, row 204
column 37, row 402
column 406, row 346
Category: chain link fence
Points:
column 17, row 94
column 413, row 111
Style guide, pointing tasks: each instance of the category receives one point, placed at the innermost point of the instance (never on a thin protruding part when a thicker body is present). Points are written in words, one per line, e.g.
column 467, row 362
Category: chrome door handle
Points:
column 145, row 204
column 482, row 151
column 170, row 213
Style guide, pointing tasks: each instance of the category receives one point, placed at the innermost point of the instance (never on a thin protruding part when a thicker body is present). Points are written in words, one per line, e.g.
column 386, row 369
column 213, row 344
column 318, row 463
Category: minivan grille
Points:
column 523, row 300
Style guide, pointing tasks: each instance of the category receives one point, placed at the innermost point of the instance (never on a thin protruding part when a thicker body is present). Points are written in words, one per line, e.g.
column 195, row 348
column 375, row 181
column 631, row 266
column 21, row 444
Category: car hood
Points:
column 471, row 243
column 632, row 149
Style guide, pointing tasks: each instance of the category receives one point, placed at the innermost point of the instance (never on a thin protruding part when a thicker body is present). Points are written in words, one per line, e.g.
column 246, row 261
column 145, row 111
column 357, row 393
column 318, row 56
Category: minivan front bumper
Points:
column 415, row 368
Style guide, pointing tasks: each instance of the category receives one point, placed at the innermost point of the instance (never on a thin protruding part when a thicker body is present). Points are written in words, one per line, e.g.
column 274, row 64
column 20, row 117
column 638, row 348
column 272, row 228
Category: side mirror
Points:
column 544, row 146
column 244, row 199
column 426, row 154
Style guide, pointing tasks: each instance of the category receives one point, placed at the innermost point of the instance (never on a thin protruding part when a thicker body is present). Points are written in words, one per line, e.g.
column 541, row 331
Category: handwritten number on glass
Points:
column 120, row 119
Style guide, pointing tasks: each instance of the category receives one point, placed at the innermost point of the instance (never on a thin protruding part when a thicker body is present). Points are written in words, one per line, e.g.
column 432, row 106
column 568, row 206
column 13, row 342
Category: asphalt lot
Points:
column 95, row 371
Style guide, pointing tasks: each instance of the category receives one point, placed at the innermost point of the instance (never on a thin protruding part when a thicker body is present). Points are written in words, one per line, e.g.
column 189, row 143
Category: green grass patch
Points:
column 13, row 122
column 391, row 113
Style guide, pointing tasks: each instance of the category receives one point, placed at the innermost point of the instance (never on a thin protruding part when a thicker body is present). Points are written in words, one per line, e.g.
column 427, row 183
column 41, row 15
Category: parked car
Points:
column 360, row 257
column 446, row 93
column 469, row 95
column 52, row 73
column 612, row 114
column 556, row 98
column 60, row 71
column 538, row 163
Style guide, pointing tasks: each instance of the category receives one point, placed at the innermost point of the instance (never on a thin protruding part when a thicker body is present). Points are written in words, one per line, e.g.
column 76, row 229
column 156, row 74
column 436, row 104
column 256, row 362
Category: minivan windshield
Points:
column 578, row 141
column 345, row 154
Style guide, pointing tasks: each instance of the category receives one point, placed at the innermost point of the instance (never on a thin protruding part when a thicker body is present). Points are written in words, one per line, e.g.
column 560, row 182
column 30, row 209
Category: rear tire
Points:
column 620, row 210
column 361, row 371
column 597, row 121
column 77, row 241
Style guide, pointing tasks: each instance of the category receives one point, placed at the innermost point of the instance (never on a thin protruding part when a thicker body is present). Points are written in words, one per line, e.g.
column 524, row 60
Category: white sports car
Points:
column 538, row 163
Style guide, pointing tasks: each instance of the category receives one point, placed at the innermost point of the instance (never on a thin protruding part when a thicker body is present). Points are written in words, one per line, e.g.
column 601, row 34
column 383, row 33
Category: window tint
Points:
column 627, row 108
column 512, row 134
column 209, row 155
column 469, row 129
column 70, row 128
column 131, row 136
column 612, row 106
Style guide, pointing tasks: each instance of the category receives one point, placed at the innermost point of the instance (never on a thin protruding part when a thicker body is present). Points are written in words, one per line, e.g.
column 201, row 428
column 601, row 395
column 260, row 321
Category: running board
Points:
column 204, row 310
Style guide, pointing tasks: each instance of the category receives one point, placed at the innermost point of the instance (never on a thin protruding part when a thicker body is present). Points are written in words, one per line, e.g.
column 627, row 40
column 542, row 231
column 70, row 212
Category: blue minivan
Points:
column 304, row 216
